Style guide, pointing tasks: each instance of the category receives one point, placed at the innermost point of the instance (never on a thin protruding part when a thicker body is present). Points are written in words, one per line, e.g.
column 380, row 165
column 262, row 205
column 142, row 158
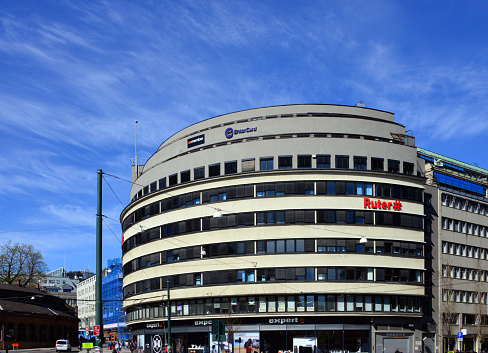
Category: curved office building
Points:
column 299, row 226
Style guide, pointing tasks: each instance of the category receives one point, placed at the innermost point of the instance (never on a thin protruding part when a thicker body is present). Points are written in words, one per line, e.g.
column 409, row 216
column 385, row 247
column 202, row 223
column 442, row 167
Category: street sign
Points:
column 460, row 336
column 96, row 330
column 87, row 330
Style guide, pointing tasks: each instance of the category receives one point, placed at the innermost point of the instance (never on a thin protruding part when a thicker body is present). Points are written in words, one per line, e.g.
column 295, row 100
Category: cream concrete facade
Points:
column 303, row 260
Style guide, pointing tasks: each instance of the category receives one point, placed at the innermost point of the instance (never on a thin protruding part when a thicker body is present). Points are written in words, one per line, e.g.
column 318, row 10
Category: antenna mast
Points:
column 137, row 167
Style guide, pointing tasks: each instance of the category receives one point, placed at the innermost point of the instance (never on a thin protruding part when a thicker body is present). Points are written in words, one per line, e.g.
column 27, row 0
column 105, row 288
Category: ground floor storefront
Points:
column 281, row 335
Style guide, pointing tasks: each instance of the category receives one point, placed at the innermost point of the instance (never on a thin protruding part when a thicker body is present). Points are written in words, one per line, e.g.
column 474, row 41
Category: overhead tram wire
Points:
column 112, row 190
column 217, row 209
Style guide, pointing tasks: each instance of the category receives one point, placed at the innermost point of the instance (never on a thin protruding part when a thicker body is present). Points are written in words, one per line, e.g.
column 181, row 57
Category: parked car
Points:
column 63, row 345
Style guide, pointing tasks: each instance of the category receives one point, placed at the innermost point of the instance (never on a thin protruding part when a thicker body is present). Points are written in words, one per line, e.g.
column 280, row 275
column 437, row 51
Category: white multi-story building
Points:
column 293, row 222
column 86, row 303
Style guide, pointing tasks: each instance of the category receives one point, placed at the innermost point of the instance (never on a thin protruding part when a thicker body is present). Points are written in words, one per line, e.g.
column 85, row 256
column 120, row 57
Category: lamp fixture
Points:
column 218, row 213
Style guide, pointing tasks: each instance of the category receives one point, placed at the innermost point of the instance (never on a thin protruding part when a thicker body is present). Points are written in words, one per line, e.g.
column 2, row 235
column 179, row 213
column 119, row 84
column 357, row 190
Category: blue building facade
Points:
column 114, row 321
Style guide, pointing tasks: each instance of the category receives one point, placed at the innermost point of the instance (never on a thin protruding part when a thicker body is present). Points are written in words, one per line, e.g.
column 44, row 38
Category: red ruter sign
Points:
column 96, row 330
column 382, row 205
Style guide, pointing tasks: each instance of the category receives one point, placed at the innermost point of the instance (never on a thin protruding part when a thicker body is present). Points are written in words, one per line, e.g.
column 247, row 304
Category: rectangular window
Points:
column 214, row 170
column 185, row 176
column 173, row 179
column 304, row 161
column 199, row 173
column 266, row 163
column 162, row 183
column 247, row 165
column 231, row 167
column 291, row 303
column 342, row 162
column 323, row 161
column 377, row 164
column 360, row 162
column 393, row 166
column 408, row 168
column 284, row 162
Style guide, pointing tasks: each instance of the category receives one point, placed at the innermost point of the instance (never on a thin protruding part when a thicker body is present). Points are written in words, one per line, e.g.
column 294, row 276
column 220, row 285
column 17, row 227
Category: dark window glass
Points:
column 153, row 186
column 173, row 179
column 393, row 166
column 408, row 168
column 340, row 187
column 284, row 162
column 331, row 188
column 214, row 170
column 331, row 216
column 377, row 164
column 231, row 167
column 342, row 162
column 185, row 176
column 323, row 161
column 304, row 161
column 199, row 173
column 162, row 183
column 266, row 163
column 359, row 162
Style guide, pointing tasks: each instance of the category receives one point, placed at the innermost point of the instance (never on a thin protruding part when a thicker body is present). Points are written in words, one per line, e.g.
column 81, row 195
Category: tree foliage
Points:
column 21, row 262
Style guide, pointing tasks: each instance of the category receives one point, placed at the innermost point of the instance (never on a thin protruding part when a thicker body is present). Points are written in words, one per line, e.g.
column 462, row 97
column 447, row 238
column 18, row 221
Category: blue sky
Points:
column 75, row 75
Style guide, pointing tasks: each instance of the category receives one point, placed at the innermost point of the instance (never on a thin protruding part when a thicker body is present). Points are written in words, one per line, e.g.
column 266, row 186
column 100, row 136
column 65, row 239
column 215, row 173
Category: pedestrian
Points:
column 7, row 347
column 248, row 346
column 214, row 350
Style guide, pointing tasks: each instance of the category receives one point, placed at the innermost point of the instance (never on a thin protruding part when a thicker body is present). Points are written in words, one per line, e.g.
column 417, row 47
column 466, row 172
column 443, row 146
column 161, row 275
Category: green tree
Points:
column 21, row 262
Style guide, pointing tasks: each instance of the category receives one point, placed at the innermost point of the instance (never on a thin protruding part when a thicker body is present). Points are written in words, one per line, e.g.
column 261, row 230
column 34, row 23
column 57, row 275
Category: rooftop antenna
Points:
column 137, row 168
column 360, row 104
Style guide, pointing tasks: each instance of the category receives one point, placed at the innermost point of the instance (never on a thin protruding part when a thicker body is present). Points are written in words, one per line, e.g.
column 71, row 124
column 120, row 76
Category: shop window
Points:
column 342, row 162
column 284, row 162
column 323, row 161
column 360, row 162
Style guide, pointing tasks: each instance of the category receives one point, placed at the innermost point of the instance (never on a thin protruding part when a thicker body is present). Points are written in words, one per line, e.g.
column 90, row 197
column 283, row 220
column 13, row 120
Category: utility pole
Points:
column 98, row 283
column 169, row 317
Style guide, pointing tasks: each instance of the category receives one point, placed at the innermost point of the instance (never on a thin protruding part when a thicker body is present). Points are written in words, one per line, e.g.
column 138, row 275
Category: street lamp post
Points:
column 169, row 318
